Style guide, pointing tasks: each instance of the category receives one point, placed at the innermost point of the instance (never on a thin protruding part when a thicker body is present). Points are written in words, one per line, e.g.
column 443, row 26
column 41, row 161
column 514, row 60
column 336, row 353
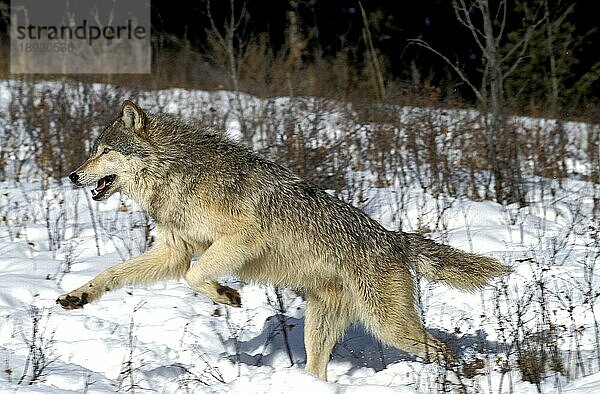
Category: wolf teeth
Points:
column 103, row 183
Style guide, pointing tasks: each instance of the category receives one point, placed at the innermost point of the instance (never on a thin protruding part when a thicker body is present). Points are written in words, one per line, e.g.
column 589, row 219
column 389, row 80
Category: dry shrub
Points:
column 537, row 355
column 59, row 118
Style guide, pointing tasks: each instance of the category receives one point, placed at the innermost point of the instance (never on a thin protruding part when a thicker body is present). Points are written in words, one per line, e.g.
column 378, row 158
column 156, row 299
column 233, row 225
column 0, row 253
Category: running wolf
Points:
column 249, row 217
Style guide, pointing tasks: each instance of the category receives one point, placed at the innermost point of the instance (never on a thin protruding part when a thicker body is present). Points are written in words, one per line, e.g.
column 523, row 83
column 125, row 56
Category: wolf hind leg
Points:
column 326, row 319
column 396, row 321
column 407, row 332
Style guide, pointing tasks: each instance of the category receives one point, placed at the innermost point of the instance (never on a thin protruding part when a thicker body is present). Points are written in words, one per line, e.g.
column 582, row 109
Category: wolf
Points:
column 254, row 219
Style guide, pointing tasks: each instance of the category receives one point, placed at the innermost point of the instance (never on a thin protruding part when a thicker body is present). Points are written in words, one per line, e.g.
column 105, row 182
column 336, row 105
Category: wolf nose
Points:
column 74, row 177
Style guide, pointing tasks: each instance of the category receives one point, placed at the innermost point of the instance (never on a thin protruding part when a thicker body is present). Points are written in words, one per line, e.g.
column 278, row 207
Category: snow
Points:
column 166, row 338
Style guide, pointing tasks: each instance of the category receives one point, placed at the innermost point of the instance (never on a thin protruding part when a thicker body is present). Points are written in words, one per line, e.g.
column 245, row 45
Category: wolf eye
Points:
column 106, row 150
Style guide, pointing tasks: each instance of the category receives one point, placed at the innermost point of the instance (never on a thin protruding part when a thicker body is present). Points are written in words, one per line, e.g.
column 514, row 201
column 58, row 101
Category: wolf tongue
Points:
column 101, row 185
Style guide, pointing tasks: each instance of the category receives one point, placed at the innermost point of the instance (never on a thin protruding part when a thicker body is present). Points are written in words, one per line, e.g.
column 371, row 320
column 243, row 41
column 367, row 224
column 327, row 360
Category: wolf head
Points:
column 117, row 154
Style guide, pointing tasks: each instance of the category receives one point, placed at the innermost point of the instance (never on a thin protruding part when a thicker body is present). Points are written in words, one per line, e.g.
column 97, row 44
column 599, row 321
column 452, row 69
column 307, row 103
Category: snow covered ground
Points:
column 166, row 338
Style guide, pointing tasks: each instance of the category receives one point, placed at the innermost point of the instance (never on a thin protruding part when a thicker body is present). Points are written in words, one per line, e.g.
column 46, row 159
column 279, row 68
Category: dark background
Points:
column 339, row 23
column 332, row 25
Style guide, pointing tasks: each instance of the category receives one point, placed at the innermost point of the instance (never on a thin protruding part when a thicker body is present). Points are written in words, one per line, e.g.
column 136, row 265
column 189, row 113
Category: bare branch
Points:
column 523, row 42
column 454, row 66
column 462, row 14
column 379, row 82
column 217, row 34
column 502, row 6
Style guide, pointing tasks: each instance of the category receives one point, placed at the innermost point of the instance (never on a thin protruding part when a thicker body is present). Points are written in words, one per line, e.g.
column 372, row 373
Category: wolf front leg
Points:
column 159, row 263
column 225, row 256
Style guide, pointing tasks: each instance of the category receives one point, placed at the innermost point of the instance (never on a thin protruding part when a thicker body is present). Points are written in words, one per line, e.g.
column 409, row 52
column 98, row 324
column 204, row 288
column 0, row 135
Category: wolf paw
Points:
column 229, row 296
column 68, row 301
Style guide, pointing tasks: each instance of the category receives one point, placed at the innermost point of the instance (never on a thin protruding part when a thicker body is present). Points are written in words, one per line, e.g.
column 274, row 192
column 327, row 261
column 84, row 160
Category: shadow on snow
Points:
column 358, row 346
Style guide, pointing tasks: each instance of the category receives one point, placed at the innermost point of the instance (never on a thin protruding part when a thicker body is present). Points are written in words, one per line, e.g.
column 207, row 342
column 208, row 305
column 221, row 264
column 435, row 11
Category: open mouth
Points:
column 99, row 193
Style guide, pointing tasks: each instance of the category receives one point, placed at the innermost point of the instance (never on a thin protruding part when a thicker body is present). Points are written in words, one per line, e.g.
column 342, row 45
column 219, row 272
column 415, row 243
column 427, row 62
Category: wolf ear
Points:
column 133, row 116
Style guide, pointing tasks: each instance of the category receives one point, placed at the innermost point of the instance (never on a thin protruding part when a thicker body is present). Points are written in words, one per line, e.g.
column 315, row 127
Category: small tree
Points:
column 488, row 29
column 229, row 43
column 546, row 79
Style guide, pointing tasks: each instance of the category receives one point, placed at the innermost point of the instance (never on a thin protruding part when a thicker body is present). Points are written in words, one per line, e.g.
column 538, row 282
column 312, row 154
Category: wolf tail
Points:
column 461, row 270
